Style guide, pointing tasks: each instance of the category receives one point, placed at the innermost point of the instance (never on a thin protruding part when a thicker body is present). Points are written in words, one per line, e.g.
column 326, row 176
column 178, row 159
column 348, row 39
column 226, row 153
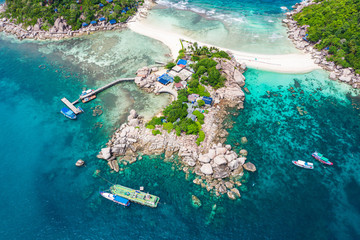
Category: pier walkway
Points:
column 107, row 86
column 71, row 106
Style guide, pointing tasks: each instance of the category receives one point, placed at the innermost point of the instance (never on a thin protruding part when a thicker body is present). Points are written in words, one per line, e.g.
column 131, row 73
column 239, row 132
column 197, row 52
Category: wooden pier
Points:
column 71, row 106
column 105, row 87
column 77, row 111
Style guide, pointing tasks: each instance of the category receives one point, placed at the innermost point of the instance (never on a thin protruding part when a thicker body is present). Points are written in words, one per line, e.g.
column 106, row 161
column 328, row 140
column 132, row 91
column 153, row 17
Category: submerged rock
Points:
column 195, row 201
column 80, row 163
column 231, row 195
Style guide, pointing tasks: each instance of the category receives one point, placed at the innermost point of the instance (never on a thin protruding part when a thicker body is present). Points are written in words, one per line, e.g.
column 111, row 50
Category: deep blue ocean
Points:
column 44, row 196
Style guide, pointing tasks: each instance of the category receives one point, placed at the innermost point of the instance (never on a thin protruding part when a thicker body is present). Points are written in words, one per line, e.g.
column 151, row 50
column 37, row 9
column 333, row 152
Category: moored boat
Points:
column 87, row 99
column 135, row 195
column 115, row 198
column 303, row 164
column 68, row 113
column 321, row 158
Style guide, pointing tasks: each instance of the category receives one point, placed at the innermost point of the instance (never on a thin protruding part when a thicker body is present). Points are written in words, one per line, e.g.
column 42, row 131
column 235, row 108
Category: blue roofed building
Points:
column 165, row 79
column 207, row 100
column 112, row 21
column 101, row 5
column 102, row 19
column 109, row 1
column 85, row 24
column 93, row 22
column 182, row 62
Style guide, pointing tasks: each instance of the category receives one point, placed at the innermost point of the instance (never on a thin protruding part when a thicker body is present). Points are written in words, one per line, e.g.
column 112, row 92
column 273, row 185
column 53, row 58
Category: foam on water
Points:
column 238, row 33
column 249, row 25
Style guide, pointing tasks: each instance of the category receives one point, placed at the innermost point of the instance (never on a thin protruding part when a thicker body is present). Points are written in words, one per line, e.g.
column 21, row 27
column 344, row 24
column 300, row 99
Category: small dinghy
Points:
column 303, row 164
column 321, row 158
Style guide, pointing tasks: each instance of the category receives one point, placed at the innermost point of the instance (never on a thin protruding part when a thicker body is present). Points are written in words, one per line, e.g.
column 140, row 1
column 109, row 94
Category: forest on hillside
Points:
column 335, row 26
column 75, row 12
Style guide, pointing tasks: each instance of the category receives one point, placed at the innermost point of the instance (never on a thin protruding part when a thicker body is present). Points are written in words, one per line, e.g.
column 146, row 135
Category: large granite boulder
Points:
column 220, row 160
column 206, row 169
column 220, row 151
column 239, row 78
column 233, row 164
column 249, row 167
column 241, row 160
column 212, row 153
column 204, row 158
column 105, row 152
column 221, row 172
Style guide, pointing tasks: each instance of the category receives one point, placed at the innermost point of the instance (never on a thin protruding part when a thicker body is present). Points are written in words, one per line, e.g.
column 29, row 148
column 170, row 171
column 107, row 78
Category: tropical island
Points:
column 204, row 83
column 60, row 19
column 328, row 30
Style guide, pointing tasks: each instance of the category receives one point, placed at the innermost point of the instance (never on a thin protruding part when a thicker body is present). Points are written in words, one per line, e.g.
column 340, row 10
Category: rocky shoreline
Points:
column 61, row 30
column 218, row 168
column 297, row 33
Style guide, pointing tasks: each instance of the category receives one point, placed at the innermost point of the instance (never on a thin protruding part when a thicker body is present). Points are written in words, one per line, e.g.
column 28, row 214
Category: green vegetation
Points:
column 201, row 103
column 181, row 54
column 205, row 74
column 170, row 65
column 199, row 116
column 206, row 70
column 168, row 126
column 156, row 132
column 334, row 24
column 200, row 138
column 29, row 11
column 177, row 79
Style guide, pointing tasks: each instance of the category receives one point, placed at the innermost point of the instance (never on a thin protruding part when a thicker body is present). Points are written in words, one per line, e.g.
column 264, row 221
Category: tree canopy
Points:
column 29, row 11
column 335, row 25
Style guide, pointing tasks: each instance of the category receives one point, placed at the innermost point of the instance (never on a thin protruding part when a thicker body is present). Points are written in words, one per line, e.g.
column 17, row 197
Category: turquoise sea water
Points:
column 250, row 26
column 44, row 196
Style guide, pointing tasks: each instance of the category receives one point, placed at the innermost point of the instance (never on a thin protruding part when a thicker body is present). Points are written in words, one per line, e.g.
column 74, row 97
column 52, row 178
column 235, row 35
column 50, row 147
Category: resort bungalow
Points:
column 165, row 79
column 184, row 74
column 123, row 11
column 102, row 19
column 93, row 22
column 112, row 21
column 207, row 100
column 101, row 5
column 84, row 24
column 193, row 97
column 109, row 1
column 179, row 86
column 182, row 63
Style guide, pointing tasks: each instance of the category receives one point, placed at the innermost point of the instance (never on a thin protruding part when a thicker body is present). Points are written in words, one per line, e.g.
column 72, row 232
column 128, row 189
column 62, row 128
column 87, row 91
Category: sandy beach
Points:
column 287, row 63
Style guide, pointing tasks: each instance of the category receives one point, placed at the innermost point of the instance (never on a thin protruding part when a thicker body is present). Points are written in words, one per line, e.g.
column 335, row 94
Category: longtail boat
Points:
column 321, row 158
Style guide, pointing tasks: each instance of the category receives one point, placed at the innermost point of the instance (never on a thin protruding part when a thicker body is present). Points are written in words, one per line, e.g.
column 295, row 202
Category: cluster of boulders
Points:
column 122, row 142
column 218, row 167
column 234, row 81
column 298, row 35
column 60, row 30
column 217, row 164
column 146, row 78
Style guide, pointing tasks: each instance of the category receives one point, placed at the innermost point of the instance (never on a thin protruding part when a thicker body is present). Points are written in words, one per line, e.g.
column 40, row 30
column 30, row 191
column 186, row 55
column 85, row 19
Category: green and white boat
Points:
column 135, row 195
